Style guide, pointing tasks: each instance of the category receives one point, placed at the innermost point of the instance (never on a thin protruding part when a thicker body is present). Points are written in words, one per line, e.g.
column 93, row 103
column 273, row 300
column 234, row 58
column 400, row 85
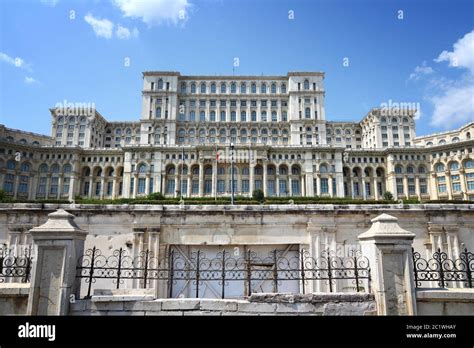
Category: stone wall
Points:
column 445, row 301
column 113, row 226
column 14, row 298
column 257, row 304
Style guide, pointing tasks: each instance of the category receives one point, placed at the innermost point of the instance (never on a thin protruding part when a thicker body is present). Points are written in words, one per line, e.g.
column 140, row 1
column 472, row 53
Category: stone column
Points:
column 33, row 184
column 72, row 184
column 330, row 188
column 214, row 178
column 462, row 178
column 59, row 242
column 60, row 186
column 375, row 188
column 201, row 179
column 388, row 248
column 251, row 179
column 265, row 167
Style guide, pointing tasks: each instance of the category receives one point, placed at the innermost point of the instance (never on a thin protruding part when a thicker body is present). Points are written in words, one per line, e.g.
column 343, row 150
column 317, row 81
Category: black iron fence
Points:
column 443, row 271
column 15, row 264
column 225, row 267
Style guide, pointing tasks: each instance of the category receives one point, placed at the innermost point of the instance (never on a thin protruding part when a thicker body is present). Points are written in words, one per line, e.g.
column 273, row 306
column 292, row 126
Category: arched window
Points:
column 160, row 84
column 405, row 120
column 307, row 113
column 295, row 170
column 245, row 171
column 213, row 116
column 158, row 112
column 193, row 87
column 183, row 87
column 254, row 116
column 398, row 169
column 43, row 168
column 454, row 166
column 202, row 116
column 323, row 168
column 394, row 120
column 54, row 169
column 171, row 171
column 243, row 88
column 213, row 88
column 429, row 143
column 263, row 88
column 243, row 116
column 233, row 116
column 25, row 167
column 383, row 120
column 306, row 84
column 223, row 88
column 192, row 116
column 421, row 170
column 274, row 88
column 264, row 116
column 223, row 117
column 439, row 167
column 233, row 87
column 442, row 141
column 253, row 88
column 283, row 88
column 469, row 164
column 203, row 87
column 410, row 170
column 455, row 140
column 11, row 164
column 274, row 116
column 142, row 168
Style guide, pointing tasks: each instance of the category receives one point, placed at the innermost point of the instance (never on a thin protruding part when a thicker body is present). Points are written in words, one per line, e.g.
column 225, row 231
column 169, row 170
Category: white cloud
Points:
column 51, row 3
column 420, row 71
column 125, row 33
column 16, row 62
column 102, row 27
column 155, row 11
column 29, row 80
column 454, row 107
column 462, row 55
column 453, row 100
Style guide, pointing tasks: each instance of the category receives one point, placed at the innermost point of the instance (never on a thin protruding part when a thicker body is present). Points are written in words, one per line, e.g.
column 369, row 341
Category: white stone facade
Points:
column 273, row 128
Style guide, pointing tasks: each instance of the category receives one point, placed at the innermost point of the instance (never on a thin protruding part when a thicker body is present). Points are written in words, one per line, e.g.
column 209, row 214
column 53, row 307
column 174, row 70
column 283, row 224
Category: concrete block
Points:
column 155, row 305
column 218, row 305
column 257, row 307
column 180, row 304
column 107, row 306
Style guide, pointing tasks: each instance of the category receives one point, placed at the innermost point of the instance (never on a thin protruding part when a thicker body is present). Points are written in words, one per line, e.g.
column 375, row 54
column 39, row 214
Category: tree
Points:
column 258, row 195
column 388, row 196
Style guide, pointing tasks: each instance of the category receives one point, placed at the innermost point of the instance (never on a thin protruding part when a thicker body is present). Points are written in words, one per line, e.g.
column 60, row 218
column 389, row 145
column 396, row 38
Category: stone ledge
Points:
column 310, row 298
column 180, row 304
column 14, row 289
column 457, row 295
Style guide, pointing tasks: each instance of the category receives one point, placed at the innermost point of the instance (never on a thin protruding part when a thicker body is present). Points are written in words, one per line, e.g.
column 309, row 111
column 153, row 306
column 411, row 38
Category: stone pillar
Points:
column 388, row 248
column 59, row 242
column 72, row 184
column 201, row 179
column 214, row 178
column 251, row 179
column 265, row 167
column 375, row 188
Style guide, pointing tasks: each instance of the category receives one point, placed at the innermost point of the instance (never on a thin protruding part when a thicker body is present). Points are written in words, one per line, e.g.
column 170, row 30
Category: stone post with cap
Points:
column 59, row 242
column 388, row 248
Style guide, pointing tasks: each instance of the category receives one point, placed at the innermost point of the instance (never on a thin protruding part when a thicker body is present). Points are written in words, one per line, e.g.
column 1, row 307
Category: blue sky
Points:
column 55, row 50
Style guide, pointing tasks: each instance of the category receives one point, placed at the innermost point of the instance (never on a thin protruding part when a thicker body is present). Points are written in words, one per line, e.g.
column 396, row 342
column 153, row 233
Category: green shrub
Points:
column 258, row 195
column 388, row 196
column 156, row 196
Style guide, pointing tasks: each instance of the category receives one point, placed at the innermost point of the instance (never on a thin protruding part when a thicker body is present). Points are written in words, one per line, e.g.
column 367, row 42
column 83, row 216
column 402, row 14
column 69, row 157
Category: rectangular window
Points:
column 368, row 192
column 271, row 187
column 258, row 185
column 141, row 185
column 295, row 187
column 356, row 189
column 399, row 183
column 23, row 185
column 54, row 185
column 97, row 189
column 66, row 182
column 283, row 189
column 220, row 186
column 456, row 187
column 245, row 186
column 441, row 188
column 195, row 187
column 207, row 186
column 183, row 187
column 170, row 186
column 324, row 186
column 411, row 186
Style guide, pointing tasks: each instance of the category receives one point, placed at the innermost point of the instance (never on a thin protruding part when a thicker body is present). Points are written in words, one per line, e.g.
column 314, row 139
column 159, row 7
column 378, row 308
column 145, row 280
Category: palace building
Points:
column 209, row 136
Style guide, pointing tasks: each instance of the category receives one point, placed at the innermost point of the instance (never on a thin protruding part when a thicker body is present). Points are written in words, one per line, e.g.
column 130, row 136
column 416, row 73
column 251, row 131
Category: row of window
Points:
column 455, row 183
column 212, row 117
column 453, row 166
column 258, row 170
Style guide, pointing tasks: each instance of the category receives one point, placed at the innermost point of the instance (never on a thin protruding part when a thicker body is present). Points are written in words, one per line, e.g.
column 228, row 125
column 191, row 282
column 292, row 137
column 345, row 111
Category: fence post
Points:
column 60, row 243
column 388, row 248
